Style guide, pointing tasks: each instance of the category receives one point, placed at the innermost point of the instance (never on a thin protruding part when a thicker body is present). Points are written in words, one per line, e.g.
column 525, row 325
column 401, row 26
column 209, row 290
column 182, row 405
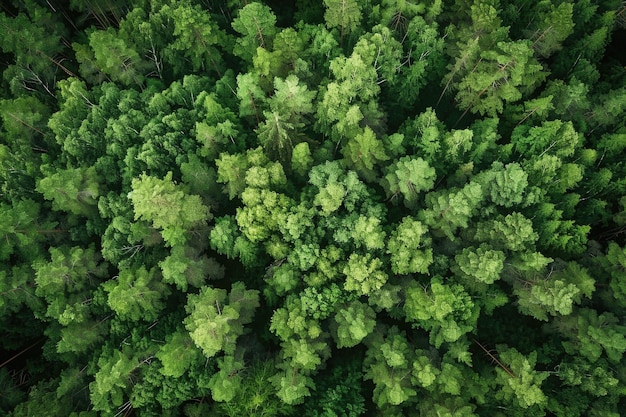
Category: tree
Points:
column 342, row 14
column 67, row 282
column 116, row 58
column 354, row 322
column 505, row 185
column 388, row 364
column 178, row 354
column 254, row 396
column 256, row 23
column 590, row 334
column 408, row 177
column 195, row 36
column 167, row 206
column 513, row 232
column 525, row 386
column 75, row 190
column 503, row 74
column 137, row 294
column 409, row 248
column 216, row 319
column 219, row 131
column 614, row 263
column 363, row 152
column 336, row 188
column 423, row 54
column 553, row 292
column 112, row 381
column 349, row 99
column 447, row 311
column 450, row 210
column 549, row 32
column 282, row 128
column 22, row 229
column 481, row 264
column 33, row 38
column 185, row 266
column 363, row 274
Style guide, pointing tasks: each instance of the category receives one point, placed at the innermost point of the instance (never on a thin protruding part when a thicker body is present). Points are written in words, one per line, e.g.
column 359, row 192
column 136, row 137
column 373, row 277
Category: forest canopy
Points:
column 315, row 208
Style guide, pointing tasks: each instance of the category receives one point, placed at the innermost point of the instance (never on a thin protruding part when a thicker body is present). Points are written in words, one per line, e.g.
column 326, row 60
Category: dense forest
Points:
column 313, row 208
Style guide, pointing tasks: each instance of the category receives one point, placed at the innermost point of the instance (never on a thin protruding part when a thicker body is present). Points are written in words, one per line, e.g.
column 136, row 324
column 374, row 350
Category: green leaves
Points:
column 167, row 207
column 446, row 310
column 408, row 177
column 409, row 248
column 481, row 264
column 116, row 58
column 448, row 211
column 215, row 320
column 67, row 282
column 594, row 334
column 525, row 387
column 178, row 354
column 342, row 14
column 185, row 266
column 256, row 23
column 502, row 74
column 363, row 153
column 137, row 294
column 388, row 365
column 354, row 322
column 363, row 274
column 72, row 190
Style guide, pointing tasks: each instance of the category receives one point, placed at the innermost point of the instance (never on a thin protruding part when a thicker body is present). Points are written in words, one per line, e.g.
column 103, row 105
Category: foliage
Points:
column 325, row 208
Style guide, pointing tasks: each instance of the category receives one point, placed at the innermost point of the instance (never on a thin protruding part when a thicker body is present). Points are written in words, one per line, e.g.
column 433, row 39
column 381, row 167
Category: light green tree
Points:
column 256, row 24
column 215, row 319
column 167, row 206
column 342, row 14
column 137, row 294
column 353, row 323
column 75, row 190
column 408, row 177
column 409, row 248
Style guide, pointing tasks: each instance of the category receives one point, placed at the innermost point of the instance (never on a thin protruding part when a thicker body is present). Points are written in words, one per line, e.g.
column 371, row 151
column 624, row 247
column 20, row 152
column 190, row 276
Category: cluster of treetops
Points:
column 313, row 208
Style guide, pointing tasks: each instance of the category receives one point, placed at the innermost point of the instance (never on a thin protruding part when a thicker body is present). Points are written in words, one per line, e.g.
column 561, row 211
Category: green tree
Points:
column 256, row 24
column 409, row 248
column 446, row 310
column 216, row 319
column 388, row 364
column 549, row 32
column 137, row 294
column 178, row 354
column 186, row 266
column 34, row 39
column 195, row 38
column 363, row 152
column 342, row 14
column 525, row 386
column 114, row 57
column 505, row 185
column 74, row 190
column 167, row 206
column 354, row 322
column 408, row 177
column 449, row 210
column 590, row 334
column 67, row 281
column 503, row 74
column 364, row 274
column 113, row 379
column 481, row 264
